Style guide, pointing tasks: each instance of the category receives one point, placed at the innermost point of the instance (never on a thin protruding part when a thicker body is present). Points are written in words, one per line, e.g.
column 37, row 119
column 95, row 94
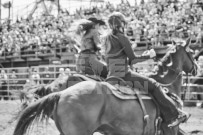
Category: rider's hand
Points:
column 152, row 53
column 145, row 53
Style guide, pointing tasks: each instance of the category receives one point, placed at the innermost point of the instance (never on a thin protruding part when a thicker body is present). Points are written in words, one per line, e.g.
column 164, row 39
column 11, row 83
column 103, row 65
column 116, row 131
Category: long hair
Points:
column 85, row 27
column 115, row 22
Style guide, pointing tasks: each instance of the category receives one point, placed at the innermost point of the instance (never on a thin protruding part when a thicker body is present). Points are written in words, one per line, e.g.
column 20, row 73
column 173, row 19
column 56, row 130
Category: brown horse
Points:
column 89, row 106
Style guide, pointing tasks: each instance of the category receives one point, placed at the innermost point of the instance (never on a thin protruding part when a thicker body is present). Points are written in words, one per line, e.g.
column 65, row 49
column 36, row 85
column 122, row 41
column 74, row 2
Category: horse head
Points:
column 179, row 58
column 184, row 56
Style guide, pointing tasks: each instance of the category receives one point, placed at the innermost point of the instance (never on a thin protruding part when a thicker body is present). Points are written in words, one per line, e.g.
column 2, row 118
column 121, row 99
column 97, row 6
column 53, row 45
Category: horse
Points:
column 171, row 66
column 91, row 106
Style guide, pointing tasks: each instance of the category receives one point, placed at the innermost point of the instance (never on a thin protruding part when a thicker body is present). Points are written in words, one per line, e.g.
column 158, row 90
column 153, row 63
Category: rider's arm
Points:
column 133, row 58
column 96, row 38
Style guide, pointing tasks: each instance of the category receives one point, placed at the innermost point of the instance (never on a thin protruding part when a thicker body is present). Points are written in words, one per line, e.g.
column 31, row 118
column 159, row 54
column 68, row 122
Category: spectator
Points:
column 46, row 75
column 28, row 84
column 13, row 80
column 3, row 77
column 35, row 77
column 200, row 64
column 68, row 71
column 61, row 72
column 29, row 70
column 3, row 84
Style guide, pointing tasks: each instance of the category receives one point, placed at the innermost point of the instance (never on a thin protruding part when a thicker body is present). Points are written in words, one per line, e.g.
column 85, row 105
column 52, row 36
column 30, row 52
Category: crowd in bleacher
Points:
column 154, row 21
column 41, row 34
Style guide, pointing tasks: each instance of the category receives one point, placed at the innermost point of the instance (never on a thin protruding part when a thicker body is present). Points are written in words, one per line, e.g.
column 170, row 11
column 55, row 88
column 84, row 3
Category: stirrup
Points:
column 180, row 119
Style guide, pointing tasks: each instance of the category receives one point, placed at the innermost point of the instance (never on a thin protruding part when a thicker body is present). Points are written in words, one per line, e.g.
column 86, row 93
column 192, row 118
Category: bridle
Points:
column 179, row 72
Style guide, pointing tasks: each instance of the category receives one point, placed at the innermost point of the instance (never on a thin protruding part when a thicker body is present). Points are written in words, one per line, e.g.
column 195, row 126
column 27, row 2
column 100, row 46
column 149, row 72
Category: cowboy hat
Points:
column 97, row 21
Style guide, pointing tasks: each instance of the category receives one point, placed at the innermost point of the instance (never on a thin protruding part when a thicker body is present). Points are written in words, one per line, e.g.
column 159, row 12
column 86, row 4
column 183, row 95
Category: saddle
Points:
column 87, row 77
column 126, row 92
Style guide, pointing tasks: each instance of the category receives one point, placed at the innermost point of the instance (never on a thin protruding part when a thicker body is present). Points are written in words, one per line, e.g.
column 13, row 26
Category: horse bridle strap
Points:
column 169, row 84
column 179, row 72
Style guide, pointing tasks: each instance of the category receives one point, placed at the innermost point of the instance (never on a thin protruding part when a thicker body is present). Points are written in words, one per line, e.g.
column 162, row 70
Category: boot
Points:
column 167, row 106
column 182, row 118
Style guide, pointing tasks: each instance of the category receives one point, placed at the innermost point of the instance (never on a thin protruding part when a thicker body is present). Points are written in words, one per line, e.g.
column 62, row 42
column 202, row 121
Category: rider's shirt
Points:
column 115, row 53
column 119, row 53
column 90, row 40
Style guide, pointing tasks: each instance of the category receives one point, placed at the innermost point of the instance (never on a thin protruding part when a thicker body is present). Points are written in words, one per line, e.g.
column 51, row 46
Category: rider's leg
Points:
column 83, row 65
column 99, row 67
column 168, row 109
column 91, row 65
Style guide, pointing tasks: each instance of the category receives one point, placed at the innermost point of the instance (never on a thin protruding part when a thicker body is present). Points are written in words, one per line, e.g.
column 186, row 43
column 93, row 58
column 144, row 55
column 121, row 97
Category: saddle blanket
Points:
column 126, row 93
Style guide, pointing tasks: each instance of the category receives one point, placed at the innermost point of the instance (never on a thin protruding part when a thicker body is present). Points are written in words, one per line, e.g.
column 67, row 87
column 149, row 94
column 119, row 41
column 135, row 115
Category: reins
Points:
column 168, row 84
column 180, row 73
column 184, row 94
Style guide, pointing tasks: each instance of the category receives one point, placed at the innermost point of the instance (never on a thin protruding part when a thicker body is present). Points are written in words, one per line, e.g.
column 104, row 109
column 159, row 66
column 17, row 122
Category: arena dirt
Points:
column 9, row 109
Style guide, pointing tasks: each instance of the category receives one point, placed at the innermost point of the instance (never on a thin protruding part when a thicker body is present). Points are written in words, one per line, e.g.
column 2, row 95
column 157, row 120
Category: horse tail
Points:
column 36, row 112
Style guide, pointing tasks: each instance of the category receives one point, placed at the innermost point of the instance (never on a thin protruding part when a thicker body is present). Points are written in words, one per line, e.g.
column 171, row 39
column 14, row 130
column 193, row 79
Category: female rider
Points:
column 119, row 55
column 88, row 61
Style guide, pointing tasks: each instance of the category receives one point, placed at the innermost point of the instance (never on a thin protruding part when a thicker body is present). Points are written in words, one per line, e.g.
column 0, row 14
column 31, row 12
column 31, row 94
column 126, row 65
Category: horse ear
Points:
column 173, row 42
column 170, row 62
column 187, row 44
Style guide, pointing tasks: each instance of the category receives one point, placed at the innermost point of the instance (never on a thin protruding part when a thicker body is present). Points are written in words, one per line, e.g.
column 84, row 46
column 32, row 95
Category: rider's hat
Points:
column 84, row 25
column 97, row 21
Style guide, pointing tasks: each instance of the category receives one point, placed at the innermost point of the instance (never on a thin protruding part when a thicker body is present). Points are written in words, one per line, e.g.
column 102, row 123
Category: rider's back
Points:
column 116, row 57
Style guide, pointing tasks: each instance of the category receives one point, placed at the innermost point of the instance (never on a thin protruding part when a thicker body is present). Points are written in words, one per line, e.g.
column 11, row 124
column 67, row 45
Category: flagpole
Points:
column 59, row 7
column 0, row 12
column 12, row 11
column 9, row 15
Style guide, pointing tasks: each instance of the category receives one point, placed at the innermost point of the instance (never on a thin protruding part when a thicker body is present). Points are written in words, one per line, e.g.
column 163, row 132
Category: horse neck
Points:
column 175, row 78
column 176, row 86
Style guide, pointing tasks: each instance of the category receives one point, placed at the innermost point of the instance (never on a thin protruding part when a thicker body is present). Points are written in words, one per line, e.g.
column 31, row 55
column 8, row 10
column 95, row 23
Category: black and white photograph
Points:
column 101, row 67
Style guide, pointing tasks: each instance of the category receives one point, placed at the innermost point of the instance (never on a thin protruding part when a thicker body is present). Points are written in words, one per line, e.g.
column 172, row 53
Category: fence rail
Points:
column 192, row 92
column 9, row 86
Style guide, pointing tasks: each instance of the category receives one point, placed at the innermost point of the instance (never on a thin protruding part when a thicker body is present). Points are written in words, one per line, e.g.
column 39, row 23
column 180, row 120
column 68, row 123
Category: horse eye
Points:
column 173, row 50
column 192, row 51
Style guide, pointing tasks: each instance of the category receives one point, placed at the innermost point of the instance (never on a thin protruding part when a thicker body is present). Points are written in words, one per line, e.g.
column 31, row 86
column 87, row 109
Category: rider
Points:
column 119, row 55
column 88, row 61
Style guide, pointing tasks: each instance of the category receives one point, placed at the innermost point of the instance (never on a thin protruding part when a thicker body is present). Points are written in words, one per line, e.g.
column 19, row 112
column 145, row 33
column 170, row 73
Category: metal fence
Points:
column 190, row 92
column 10, row 86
